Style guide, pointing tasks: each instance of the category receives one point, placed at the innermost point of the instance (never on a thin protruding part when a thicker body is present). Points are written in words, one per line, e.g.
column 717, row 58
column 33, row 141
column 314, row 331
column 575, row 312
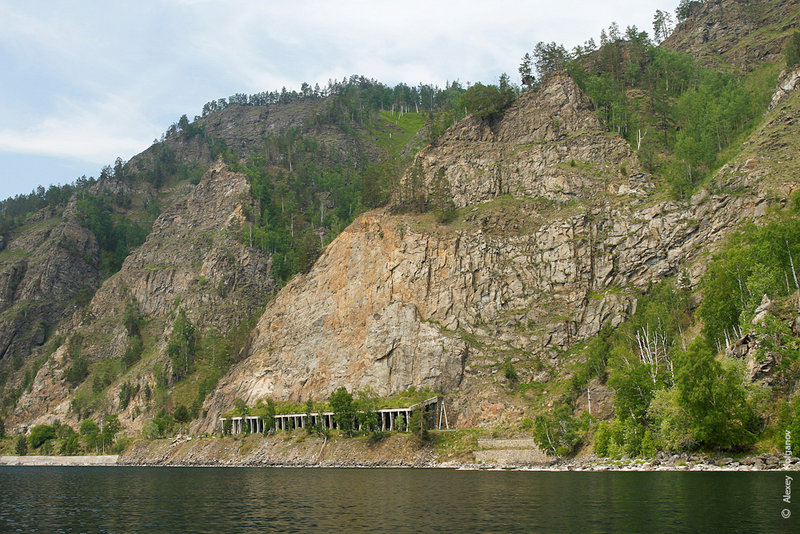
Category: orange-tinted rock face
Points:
column 398, row 301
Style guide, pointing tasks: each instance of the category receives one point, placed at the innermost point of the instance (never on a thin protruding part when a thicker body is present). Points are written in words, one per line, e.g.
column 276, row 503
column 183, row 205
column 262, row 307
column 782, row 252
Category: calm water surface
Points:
column 136, row 499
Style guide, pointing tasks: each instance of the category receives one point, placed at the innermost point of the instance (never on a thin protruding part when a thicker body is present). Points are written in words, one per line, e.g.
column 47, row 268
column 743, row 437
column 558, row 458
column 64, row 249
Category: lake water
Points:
column 140, row 499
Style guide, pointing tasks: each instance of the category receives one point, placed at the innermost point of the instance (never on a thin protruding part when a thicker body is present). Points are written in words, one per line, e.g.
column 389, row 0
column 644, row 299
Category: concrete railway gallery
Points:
column 391, row 419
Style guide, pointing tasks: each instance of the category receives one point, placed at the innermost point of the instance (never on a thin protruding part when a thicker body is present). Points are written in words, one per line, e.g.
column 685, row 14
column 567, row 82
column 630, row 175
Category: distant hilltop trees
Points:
column 401, row 97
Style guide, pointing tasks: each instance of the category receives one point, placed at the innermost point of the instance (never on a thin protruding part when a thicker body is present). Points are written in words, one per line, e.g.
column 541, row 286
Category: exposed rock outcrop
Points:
column 193, row 258
column 725, row 33
column 549, row 145
column 47, row 267
column 788, row 82
column 398, row 301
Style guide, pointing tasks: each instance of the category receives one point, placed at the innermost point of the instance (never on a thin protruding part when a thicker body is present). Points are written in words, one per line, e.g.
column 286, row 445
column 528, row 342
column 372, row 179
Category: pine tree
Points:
column 526, row 71
column 22, row 446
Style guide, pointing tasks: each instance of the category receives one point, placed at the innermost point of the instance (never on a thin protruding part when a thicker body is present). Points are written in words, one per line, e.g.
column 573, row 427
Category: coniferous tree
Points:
column 269, row 417
column 686, row 8
column 662, row 25
column 181, row 414
column 549, row 58
column 89, row 430
column 526, row 71
column 21, row 447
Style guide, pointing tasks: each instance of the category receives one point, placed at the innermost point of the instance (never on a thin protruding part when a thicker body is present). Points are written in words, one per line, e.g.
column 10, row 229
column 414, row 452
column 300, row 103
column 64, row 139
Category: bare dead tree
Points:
column 653, row 351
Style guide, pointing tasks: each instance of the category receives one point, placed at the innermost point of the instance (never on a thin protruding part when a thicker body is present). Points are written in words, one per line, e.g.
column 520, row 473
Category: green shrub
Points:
column 89, row 430
column 486, row 101
column 602, row 439
column 508, row 370
column 648, row 445
column 40, row 434
column 714, row 398
column 70, row 446
column 558, row 432
column 125, row 392
column 77, row 372
column 134, row 351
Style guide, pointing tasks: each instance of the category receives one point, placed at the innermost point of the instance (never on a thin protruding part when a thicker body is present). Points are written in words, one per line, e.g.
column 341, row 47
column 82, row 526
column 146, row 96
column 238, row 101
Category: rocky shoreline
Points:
column 400, row 452
column 676, row 462
column 392, row 452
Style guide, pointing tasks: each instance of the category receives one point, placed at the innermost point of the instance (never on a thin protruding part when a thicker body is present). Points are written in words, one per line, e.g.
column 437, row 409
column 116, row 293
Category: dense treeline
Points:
column 305, row 197
column 308, row 194
column 489, row 101
column 401, row 97
column 680, row 117
column 116, row 235
column 61, row 438
column 15, row 210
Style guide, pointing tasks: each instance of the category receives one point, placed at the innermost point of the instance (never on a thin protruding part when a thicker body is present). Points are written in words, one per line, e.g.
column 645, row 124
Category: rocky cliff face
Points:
column 549, row 145
column 52, row 291
column 192, row 259
column 46, row 268
column 726, row 33
column 398, row 301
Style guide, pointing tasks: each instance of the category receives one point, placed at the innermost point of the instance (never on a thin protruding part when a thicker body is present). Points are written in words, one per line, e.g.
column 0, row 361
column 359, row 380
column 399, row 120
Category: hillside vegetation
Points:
column 604, row 259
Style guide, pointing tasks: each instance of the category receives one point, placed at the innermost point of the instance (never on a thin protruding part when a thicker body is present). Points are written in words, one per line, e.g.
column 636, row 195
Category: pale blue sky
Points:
column 84, row 82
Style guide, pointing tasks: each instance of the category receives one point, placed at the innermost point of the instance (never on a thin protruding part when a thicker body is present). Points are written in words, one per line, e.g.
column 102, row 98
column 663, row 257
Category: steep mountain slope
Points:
column 47, row 268
column 559, row 230
column 106, row 347
column 192, row 260
column 553, row 240
column 726, row 34
column 550, row 145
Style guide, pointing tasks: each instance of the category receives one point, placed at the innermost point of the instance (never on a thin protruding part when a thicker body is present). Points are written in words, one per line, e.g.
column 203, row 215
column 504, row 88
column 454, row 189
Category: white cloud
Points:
column 94, row 80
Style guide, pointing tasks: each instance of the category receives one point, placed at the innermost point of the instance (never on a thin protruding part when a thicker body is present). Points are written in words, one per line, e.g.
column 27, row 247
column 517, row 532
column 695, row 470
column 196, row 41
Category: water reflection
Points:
column 128, row 499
